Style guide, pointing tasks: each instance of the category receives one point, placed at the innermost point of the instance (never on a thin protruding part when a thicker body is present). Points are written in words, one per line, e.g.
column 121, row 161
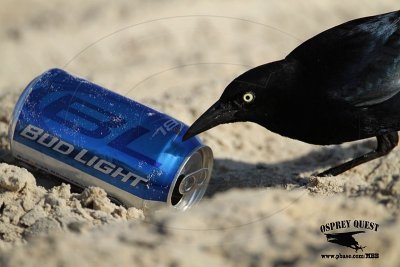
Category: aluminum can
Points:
column 90, row 136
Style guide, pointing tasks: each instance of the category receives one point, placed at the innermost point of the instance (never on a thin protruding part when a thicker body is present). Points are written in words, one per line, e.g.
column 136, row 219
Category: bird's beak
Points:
column 218, row 113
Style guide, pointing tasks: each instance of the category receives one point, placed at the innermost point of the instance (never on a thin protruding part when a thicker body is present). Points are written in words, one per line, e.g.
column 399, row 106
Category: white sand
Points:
column 262, row 208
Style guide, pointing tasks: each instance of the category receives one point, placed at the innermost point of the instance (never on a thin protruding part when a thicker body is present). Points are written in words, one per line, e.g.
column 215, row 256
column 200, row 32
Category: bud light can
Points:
column 90, row 136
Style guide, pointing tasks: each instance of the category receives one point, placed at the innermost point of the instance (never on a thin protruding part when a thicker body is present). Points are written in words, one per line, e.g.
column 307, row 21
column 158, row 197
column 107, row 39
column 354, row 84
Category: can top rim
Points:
column 187, row 170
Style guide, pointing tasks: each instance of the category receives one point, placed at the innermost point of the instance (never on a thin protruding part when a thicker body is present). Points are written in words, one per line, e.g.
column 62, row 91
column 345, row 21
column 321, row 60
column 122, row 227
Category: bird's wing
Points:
column 345, row 233
column 354, row 232
column 357, row 62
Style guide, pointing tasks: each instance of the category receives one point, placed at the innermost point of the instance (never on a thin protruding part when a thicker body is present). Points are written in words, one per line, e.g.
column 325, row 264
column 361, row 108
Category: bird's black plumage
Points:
column 339, row 86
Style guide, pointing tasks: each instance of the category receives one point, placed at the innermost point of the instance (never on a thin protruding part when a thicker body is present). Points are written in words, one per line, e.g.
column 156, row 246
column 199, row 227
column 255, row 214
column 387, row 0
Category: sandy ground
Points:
column 263, row 206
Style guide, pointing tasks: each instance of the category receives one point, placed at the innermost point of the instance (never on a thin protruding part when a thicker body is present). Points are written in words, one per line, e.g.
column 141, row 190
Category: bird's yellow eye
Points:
column 248, row 97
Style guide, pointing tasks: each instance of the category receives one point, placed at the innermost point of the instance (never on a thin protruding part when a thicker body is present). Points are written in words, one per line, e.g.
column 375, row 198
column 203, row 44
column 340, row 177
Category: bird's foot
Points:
column 386, row 143
column 331, row 172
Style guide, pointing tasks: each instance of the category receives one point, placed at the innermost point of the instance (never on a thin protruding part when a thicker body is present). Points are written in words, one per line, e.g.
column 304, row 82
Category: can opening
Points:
column 176, row 195
column 192, row 179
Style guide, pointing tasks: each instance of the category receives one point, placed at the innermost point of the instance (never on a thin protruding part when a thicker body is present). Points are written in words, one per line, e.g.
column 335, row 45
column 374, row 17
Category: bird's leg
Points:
column 386, row 143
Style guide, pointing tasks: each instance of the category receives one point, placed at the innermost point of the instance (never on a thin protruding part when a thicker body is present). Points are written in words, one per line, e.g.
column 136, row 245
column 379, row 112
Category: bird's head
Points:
column 242, row 100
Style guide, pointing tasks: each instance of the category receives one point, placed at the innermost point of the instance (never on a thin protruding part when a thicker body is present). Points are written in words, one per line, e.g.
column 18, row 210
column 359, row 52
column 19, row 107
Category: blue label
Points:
column 108, row 136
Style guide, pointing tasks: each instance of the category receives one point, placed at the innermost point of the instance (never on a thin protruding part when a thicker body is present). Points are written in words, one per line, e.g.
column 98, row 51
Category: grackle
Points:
column 341, row 85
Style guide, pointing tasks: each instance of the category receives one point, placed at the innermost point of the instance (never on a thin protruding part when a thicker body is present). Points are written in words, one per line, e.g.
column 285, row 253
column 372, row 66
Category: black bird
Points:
column 341, row 85
column 345, row 239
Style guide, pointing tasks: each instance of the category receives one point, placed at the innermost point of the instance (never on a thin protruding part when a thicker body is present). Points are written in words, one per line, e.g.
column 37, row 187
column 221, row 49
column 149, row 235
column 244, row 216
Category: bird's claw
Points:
column 323, row 174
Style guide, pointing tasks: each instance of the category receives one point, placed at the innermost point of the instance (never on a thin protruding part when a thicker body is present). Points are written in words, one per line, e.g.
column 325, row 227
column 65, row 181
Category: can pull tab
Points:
column 192, row 180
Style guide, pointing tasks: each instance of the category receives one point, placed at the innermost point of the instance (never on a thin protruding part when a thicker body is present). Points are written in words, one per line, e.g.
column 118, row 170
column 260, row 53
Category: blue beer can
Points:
column 90, row 136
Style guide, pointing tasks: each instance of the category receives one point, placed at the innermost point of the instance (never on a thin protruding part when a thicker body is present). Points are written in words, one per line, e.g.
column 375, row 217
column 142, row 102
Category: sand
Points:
column 263, row 206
